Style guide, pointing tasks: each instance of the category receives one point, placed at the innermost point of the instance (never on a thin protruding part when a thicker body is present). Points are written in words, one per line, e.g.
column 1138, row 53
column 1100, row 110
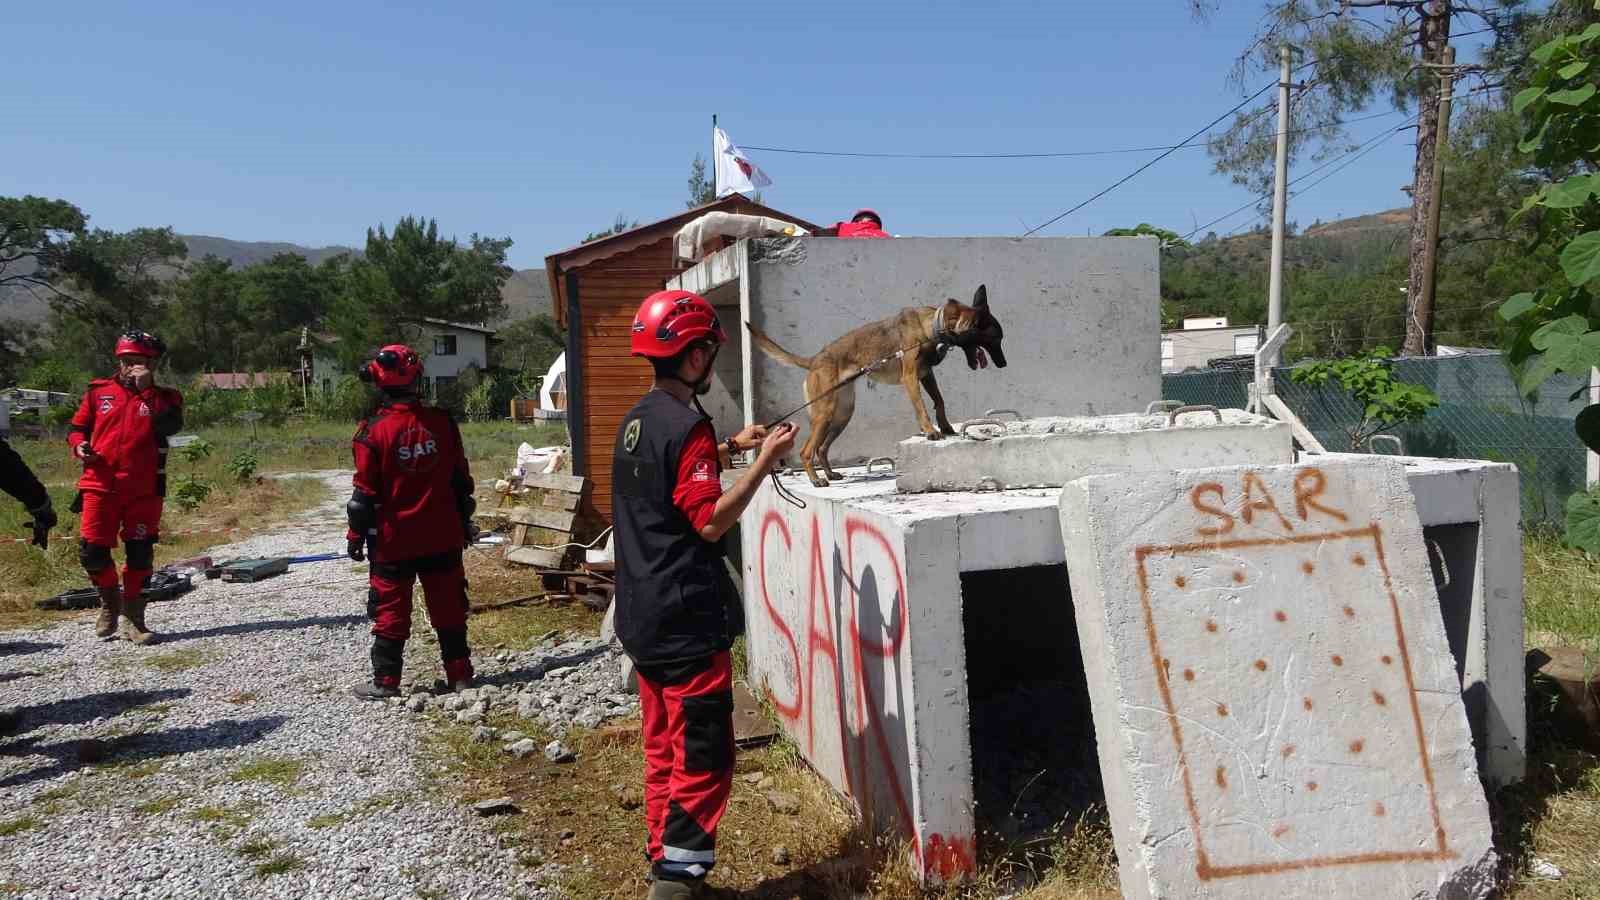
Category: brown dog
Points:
column 924, row 333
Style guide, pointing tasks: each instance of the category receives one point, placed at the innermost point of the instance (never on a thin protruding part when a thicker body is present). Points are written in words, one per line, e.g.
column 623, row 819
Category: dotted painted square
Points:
column 1296, row 684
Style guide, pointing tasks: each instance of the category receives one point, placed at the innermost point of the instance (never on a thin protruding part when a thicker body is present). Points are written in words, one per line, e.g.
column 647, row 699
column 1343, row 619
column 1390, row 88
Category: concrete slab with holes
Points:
column 991, row 454
column 1276, row 706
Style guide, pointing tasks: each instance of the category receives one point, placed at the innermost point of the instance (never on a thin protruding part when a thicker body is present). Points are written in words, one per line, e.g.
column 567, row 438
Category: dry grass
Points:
column 28, row 575
column 280, row 771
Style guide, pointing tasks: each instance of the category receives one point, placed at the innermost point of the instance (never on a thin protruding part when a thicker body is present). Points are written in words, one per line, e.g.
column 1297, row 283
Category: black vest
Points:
column 670, row 606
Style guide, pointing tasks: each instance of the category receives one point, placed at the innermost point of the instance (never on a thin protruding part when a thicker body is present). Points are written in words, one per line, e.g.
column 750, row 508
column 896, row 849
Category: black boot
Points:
column 388, row 656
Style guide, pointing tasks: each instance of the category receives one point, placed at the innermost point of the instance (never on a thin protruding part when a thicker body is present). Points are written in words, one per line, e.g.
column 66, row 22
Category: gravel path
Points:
column 232, row 760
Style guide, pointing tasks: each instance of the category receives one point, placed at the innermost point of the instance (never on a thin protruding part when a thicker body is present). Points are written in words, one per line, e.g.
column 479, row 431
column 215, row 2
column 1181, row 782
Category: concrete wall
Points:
column 855, row 629
column 1081, row 319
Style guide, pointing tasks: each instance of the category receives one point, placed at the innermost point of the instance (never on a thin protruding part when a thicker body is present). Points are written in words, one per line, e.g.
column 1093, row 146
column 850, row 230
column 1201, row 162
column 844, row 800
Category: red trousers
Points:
column 688, row 765
column 389, row 604
column 137, row 521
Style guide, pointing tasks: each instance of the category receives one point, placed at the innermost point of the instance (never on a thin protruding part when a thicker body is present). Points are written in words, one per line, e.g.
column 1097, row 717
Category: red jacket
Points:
column 129, row 430
column 860, row 230
column 410, row 460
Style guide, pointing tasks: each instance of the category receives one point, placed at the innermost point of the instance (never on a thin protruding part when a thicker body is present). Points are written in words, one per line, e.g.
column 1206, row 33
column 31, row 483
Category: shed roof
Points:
column 611, row 245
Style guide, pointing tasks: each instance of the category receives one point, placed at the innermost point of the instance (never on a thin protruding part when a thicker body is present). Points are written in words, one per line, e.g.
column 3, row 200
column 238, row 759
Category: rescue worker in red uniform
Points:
column 677, row 610
column 864, row 224
column 120, row 435
column 411, row 515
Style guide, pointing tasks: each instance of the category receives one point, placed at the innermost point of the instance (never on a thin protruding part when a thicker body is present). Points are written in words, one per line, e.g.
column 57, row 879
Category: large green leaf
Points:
column 1570, row 193
column 1580, row 260
column 1534, row 142
column 1537, row 370
column 1568, row 345
column 1574, row 69
column 1583, row 522
column 1587, row 425
column 1590, row 33
column 1573, row 96
column 1525, row 97
column 1547, row 51
column 1516, row 305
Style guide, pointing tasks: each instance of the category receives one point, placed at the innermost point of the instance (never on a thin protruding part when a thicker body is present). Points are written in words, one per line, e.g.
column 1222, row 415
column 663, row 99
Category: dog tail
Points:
column 771, row 348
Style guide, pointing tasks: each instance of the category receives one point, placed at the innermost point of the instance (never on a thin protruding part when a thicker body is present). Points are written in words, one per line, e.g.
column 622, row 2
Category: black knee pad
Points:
column 94, row 557
column 452, row 643
column 388, row 655
column 708, row 732
column 141, row 554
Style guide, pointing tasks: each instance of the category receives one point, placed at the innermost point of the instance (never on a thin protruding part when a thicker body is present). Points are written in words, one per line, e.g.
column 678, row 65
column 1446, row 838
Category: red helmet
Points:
column 140, row 343
column 395, row 366
column 868, row 212
column 669, row 321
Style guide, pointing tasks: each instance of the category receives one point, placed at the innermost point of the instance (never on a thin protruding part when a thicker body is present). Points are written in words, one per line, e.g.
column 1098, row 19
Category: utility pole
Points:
column 1419, row 329
column 1280, row 200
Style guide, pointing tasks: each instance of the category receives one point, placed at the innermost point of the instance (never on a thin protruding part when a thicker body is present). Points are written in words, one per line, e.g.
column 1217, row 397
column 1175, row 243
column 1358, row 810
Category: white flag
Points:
column 734, row 171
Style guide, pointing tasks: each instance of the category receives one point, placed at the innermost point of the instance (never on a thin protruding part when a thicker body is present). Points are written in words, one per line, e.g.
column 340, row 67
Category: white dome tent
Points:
column 553, row 390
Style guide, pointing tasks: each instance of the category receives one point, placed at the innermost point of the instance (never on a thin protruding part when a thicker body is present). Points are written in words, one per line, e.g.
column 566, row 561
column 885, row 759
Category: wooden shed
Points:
column 596, row 288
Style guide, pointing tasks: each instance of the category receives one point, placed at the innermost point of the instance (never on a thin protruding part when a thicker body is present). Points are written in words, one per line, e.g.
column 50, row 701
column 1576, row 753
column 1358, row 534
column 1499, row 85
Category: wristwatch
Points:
column 733, row 447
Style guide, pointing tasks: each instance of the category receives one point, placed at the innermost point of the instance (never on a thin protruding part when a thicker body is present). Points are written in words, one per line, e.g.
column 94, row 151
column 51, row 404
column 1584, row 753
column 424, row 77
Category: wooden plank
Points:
column 1302, row 435
column 519, row 535
column 555, row 520
column 555, row 481
column 559, row 500
column 532, row 556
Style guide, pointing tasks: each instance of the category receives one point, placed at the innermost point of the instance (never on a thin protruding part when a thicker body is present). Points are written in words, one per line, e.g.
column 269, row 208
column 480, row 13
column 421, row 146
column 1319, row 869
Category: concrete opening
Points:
column 1453, row 556
column 1034, row 762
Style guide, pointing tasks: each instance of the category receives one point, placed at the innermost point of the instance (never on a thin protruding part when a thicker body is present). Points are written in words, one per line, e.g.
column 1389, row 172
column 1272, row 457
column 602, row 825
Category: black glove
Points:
column 469, row 532
column 44, row 519
column 353, row 548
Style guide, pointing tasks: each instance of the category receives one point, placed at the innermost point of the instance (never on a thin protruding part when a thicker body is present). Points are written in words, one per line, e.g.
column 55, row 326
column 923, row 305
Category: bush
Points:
column 190, row 492
column 243, row 465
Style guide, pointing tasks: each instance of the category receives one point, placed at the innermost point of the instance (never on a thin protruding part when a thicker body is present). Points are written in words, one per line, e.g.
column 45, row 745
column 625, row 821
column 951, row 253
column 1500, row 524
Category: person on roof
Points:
column 677, row 611
column 120, row 434
column 865, row 223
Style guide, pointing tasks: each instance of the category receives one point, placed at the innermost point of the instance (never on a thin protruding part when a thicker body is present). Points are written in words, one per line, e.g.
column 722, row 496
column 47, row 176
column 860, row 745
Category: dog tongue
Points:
column 983, row 360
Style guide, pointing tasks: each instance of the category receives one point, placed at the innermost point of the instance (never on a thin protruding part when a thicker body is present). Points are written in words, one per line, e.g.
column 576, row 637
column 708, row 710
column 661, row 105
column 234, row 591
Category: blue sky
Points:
column 308, row 122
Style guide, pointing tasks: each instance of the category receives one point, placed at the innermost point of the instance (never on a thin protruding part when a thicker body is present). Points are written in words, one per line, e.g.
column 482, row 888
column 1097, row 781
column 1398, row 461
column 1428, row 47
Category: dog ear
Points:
column 981, row 298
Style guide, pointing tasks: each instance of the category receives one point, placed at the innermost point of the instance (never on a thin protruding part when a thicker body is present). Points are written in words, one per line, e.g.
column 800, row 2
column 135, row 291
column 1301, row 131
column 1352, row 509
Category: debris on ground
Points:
column 499, row 806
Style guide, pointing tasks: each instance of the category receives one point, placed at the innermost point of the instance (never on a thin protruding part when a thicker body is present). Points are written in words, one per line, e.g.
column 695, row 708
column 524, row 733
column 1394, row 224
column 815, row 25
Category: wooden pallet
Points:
column 554, row 513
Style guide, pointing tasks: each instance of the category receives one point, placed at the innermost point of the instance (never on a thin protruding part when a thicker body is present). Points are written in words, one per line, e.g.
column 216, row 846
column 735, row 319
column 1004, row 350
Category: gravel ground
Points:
column 229, row 760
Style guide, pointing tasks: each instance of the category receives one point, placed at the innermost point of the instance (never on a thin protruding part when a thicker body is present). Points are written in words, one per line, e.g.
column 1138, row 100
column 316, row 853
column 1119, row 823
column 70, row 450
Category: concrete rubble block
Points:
column 1049, row 452
column 1277, row 709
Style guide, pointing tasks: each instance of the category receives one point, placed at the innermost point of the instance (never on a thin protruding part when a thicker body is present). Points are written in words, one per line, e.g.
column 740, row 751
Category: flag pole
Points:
column 713, row 160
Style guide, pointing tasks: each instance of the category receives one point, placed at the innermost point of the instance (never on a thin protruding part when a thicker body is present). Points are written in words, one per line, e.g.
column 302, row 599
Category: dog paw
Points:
column 819, row 481
column 934, row 435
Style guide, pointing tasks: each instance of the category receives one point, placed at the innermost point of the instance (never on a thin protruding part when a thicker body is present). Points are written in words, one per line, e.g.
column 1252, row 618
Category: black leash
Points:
column 789, row 496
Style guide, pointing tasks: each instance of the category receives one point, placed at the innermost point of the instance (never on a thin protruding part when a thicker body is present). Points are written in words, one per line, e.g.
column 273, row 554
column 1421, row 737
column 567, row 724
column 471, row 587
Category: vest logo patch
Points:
column 630, row 438
column 417, row 449
column 106, row 402
column 703, row 471
column 144, row 409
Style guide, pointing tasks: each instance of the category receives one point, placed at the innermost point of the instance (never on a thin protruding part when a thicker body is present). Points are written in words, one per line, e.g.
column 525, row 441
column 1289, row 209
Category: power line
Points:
column 1362, row 149
column 1131, row 175
column 854, row 154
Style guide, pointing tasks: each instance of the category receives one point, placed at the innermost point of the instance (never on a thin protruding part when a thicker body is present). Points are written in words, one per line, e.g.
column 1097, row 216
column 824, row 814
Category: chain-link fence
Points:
column 1481, row 415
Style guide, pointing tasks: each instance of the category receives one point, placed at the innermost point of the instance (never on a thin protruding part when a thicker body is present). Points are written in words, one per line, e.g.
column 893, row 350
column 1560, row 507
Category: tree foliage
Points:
column 413, row 275
column 1169, row 239
column 1385, row 401
column 702, row 190
column 36, row 235
column 1557, row 324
